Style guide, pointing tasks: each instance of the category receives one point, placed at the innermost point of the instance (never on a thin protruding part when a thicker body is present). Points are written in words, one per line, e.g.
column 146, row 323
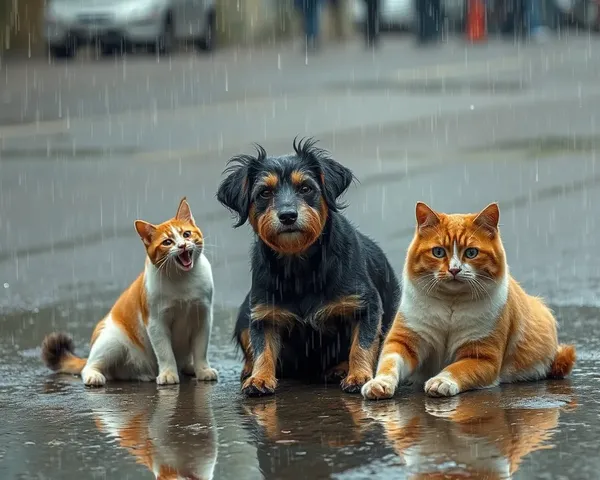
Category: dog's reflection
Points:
column 170, row 431
column 341, row 423
column 483, row 434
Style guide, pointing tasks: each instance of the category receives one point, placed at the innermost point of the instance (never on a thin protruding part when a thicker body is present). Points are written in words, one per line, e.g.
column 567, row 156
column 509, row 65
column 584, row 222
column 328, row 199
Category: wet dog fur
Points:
column 323, row 295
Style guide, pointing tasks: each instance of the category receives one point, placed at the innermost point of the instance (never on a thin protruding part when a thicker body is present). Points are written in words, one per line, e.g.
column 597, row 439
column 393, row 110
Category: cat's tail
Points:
column 563, row 362
column 58, row 354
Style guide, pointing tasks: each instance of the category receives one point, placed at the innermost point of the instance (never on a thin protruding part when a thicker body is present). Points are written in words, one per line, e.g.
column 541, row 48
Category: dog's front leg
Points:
column 266, row 344
column 363, row 351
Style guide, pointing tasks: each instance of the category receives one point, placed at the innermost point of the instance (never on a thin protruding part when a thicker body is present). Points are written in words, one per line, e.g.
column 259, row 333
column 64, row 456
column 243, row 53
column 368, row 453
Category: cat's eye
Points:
column 266, row 193
column 167, row 241
column 304, row 189
column 471, row 252
column 438, row 252
column 187, row 234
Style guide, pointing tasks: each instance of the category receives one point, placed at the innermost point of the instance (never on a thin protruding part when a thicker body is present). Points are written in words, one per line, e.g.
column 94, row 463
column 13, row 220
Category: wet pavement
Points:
column 449, row 127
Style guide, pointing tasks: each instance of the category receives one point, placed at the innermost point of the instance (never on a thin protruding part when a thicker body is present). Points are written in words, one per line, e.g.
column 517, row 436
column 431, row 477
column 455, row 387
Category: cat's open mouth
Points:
column 185, row 260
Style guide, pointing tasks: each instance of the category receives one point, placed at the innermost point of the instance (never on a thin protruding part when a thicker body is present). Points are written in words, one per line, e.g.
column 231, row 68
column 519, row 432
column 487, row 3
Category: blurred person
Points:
column 372, row 23
column 339, row 13
column 531, row 12
column 310, row 11
column 429, row 23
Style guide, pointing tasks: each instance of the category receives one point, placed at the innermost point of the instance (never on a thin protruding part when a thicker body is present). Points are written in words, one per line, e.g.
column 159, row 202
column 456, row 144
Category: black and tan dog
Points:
column 322, row 293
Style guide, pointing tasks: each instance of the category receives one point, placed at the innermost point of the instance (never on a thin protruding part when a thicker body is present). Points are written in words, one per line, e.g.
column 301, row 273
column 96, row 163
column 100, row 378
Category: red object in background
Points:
column 476, row 24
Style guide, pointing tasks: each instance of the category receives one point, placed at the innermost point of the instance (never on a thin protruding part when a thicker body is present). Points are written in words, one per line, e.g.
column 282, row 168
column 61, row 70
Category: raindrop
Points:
column 6, row 285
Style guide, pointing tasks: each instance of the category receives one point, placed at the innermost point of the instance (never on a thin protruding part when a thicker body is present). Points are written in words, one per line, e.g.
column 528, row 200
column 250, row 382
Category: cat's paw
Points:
column 167, row 377
column 92, row 378
column 379, row 388
column 441, row 385
column 256, row 386
column 246, row 371
column 353, row 383
column 207, row 375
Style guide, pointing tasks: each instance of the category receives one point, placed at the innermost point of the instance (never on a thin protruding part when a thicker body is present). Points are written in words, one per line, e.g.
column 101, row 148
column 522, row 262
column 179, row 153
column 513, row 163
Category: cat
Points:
column 462, row 313
column 172, row 433
column 477, row 436
column 160, row 326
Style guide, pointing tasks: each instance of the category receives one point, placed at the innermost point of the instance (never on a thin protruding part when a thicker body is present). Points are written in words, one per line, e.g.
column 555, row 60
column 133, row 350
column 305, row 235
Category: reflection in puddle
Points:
column 171, row 431
column 480, row 435
column 472, row 435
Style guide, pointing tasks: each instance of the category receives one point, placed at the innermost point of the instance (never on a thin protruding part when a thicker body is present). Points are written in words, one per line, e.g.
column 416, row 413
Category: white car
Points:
column 156, row 24
column 394, row 13
column 402, row 13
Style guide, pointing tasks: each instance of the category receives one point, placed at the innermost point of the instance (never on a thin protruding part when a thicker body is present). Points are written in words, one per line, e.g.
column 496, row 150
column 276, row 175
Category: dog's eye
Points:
column 187, row 234
column 266, row 193
column 167, row 241
column 304, row 189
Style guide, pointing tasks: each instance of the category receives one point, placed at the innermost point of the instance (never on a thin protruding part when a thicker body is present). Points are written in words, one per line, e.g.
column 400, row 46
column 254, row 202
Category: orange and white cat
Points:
column 463, row 322
column 160, row 326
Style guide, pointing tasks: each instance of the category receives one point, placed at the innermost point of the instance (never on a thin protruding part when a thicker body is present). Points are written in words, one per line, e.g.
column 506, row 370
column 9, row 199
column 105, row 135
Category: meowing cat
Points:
column 160, row 326
column 463, row 320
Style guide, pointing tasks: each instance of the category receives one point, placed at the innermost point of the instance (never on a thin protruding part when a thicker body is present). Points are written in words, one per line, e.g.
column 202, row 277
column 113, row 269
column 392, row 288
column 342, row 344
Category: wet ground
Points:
column 454, row 127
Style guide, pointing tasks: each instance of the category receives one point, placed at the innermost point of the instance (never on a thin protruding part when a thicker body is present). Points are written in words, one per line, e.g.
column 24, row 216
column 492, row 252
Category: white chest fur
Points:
column 444, row 326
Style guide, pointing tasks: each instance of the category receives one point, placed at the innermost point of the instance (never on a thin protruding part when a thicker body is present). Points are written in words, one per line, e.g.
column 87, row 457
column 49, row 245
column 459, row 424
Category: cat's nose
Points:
column 181, row 246
column 455, row 271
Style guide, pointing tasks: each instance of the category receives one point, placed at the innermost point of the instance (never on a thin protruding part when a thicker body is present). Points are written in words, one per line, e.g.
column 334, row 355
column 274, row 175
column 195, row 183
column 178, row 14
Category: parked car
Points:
column 157, row 24
column 401, row 14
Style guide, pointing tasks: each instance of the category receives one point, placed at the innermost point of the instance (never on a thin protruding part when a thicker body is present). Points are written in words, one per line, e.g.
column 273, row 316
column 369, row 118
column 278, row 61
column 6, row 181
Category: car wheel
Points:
column 62, row 51
column 164, row 43
column 207, row 42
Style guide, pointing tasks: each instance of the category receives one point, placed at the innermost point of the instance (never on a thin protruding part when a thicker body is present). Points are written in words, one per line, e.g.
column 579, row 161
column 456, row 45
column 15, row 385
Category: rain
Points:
column 112, row 111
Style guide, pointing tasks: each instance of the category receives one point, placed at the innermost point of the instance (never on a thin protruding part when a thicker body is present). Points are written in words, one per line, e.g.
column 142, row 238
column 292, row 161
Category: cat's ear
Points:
column 488, row 218
column 426, row 217
column 184, row 213
column 145, row 230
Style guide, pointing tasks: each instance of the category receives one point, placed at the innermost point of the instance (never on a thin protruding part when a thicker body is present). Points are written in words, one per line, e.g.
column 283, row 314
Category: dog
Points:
column 323, row 294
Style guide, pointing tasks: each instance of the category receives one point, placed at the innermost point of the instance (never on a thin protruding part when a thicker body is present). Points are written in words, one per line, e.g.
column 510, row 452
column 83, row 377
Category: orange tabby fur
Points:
column 174, row 292
column 462, row 313
column 478, row 437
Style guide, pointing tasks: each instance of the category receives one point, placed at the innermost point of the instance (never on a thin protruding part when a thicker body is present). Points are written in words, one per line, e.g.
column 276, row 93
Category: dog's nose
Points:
column 288, row 217
column 455, row 271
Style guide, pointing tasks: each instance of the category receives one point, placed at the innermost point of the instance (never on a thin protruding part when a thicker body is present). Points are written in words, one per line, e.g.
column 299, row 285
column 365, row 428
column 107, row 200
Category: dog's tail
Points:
column 563, row 362
column 58, row 354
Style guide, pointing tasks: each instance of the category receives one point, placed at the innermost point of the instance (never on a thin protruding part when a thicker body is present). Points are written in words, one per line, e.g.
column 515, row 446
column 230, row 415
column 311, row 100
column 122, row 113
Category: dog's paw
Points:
column 337, row 373
column 379, row 388
column 167, row 377
column 92, row 378
column 256, row 386
column 353, row 383
column 441, row 385
column 246, row 372
column 207, row 375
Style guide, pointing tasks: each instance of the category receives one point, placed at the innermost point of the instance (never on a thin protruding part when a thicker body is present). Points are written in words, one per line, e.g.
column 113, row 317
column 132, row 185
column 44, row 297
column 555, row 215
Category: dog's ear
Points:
column 234, row 191
column 335, row 180
column 334, row 177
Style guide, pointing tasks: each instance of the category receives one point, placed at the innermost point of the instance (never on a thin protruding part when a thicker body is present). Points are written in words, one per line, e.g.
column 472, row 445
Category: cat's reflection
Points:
column 483, row 434
column 171, row 431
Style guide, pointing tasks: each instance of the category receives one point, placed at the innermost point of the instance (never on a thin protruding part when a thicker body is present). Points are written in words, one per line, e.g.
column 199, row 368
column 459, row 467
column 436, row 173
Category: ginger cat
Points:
column 462, row 313
column 479, row 436
column 160, row 326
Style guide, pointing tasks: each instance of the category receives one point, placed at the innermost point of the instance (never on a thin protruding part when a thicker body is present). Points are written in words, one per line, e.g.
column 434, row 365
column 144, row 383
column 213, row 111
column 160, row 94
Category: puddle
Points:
column 52, row 425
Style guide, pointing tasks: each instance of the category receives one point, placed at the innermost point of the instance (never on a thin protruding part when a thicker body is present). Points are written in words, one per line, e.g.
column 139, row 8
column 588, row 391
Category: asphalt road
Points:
column 88, row 147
